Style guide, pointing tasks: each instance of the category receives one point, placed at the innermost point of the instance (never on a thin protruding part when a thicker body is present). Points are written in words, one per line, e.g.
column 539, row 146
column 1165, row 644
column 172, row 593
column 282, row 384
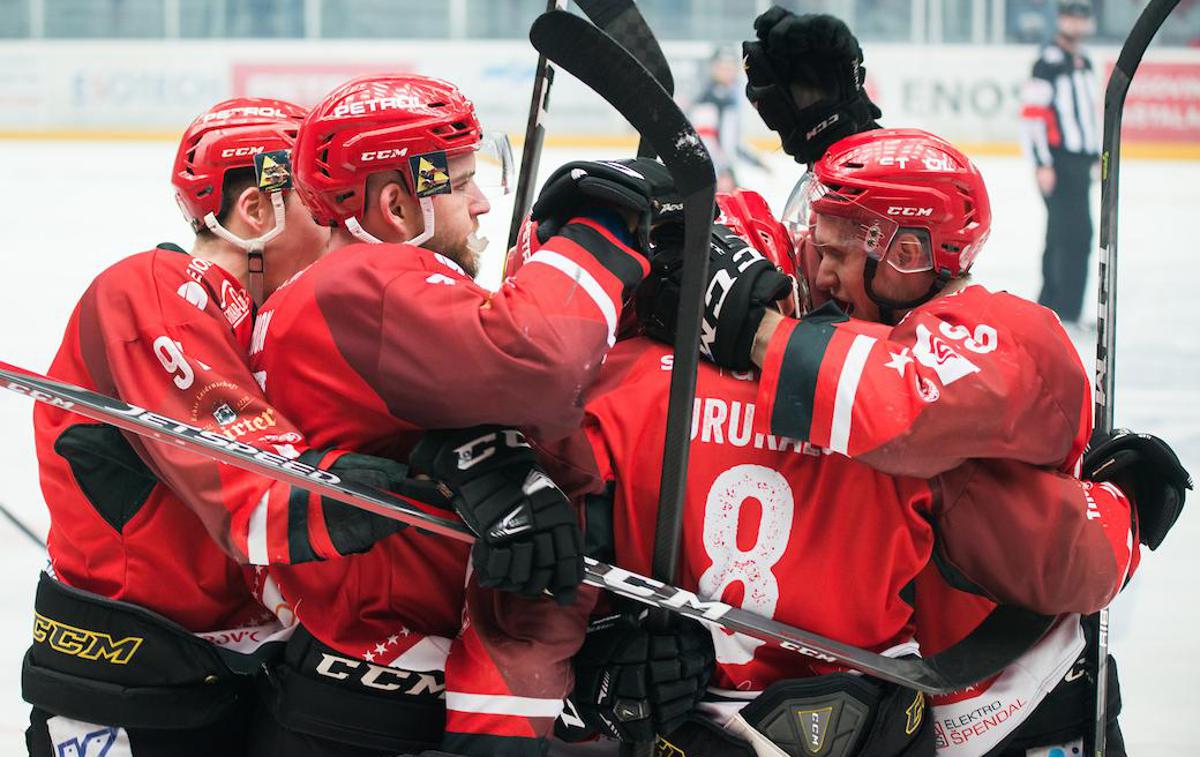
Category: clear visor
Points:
column 837, row 222
column 494, row 167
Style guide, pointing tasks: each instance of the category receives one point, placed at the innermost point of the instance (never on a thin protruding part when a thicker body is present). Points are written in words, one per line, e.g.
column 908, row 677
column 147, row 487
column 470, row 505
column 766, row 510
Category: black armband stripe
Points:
column 801, row 365
column 300, row 549
column 617, row 259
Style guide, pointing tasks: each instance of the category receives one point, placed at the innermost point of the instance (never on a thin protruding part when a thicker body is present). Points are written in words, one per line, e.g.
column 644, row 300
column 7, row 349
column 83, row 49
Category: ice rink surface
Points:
column 73, row 208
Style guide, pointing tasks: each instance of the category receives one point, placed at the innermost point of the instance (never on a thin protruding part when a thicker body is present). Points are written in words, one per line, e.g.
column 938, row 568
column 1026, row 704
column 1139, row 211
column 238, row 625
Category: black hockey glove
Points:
column 741, row 284
column 639, row 185
column 632, row 683
column 529, row 537
column 1146, row 469
column 353, row 530
column 814, row 57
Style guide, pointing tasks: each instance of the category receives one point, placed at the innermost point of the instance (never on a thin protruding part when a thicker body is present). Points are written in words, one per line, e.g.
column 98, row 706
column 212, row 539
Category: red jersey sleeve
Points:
column 171, row 335
column 968, row 375
column 1032, row 537
column 520, row 356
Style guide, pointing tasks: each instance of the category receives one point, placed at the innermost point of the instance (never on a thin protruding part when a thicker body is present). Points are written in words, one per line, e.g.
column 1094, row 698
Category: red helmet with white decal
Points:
column 225, row 137
column 869, row 188
column 374, row 123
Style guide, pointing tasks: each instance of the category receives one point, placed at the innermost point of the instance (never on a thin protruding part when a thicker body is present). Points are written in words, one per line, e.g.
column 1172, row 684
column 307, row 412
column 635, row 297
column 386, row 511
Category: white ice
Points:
column 71, row 209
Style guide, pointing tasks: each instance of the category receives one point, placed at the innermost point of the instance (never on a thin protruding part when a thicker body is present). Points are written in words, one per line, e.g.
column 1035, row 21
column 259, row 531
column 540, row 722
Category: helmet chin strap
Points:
column 253, row 247
column 355, row 228
column 888, row 308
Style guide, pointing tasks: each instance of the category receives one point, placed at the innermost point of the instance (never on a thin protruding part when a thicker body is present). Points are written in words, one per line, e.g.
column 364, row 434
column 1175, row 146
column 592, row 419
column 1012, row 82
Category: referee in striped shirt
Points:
column 1061, row 132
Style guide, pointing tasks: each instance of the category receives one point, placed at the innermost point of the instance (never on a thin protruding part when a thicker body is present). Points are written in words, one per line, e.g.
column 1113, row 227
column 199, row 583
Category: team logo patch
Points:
column 224, row 414
column 273, row 170
column 431, row 174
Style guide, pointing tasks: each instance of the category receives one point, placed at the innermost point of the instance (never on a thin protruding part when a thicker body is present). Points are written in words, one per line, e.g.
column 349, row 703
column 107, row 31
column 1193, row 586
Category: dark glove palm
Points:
column 640, row 185
column 741, row 284
column 1148, row 470
column 632, row 683
column 529, row 538
column 352, row 529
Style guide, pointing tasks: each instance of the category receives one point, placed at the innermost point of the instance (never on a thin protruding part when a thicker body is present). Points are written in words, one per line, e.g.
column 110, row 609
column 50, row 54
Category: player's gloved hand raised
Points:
column 1148, row 470
column 632, row 683
column 640, row 186
column 741, row 284
column 529, row 537
column 805, row 78
column 353, row 530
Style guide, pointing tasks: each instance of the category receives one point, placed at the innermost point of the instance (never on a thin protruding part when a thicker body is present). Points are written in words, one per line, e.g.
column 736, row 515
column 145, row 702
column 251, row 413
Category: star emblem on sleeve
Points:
column 900, row 361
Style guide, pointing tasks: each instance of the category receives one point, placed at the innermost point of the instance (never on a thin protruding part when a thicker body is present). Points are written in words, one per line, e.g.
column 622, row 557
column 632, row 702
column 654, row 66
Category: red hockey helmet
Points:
column 869, row 187
column 227, row 136
column 376, row 123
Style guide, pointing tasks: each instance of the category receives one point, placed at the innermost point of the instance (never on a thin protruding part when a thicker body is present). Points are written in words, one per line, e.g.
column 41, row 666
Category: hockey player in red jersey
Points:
column 158, row 610
column 794, row 532
column 932, row 370
column 391, row 320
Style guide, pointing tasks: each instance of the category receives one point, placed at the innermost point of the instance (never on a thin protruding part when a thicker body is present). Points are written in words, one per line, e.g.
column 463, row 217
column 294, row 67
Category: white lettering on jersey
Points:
column 719, row 421
column 170, row 354
column 751, row 567
column 934, row 352
column 194, row 294
column 259, row 337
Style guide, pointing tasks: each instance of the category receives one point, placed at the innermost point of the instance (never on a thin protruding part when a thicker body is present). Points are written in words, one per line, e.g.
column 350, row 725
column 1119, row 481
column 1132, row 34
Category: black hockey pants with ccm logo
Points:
column 113, row 679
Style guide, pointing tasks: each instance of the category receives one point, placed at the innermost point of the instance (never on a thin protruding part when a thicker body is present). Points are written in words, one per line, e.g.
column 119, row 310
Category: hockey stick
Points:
column 1139, row 39
column 622, row 21
column 1002, row 637
column 535, row 135
column 20, row 526
column 611, row 69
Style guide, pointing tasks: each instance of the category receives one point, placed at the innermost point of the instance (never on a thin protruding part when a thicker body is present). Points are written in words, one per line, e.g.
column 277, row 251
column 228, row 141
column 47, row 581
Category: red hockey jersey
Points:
column 374, row 343
column 975, row 374
column 812, row 538
column 128, row 517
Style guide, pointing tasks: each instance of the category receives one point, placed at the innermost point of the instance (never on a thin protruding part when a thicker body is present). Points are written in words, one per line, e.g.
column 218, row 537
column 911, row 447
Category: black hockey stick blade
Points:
column 1001, row 638
column 622, row 21
column 1140, row 37
column 535, row 136
column 593, row 57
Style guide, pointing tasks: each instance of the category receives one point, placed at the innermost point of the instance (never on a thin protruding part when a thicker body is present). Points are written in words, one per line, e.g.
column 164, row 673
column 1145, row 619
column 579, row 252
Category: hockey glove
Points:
column 352, row 529
column 1146, row 469
column 805, row 78
column 639, row 185
column 741, row 284
column 632, row 683
column 529, row 537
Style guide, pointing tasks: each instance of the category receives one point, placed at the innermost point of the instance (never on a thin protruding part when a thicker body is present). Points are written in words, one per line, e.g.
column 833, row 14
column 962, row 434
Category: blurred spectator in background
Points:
column 1061, row 132
column 717, row 113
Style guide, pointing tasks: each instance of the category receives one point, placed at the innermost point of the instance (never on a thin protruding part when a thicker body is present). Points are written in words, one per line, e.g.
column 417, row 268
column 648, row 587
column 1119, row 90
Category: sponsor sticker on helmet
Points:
column 273, row 170
column 431, row 174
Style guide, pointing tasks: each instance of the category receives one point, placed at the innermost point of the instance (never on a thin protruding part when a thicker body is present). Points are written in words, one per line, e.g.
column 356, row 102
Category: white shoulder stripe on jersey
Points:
column 586, row 281
column 256, row 539
column 500, row 704
column 847, row 388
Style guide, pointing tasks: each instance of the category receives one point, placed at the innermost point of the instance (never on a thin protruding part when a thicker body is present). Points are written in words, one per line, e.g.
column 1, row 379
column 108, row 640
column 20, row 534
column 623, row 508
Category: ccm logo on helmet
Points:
column 239, row 151
column 896, row 210
column 383, row 154
column 266, row 112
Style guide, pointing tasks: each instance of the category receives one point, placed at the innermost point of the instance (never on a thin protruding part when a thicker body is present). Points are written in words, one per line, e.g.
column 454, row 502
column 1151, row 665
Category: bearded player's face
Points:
column 456, row 216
